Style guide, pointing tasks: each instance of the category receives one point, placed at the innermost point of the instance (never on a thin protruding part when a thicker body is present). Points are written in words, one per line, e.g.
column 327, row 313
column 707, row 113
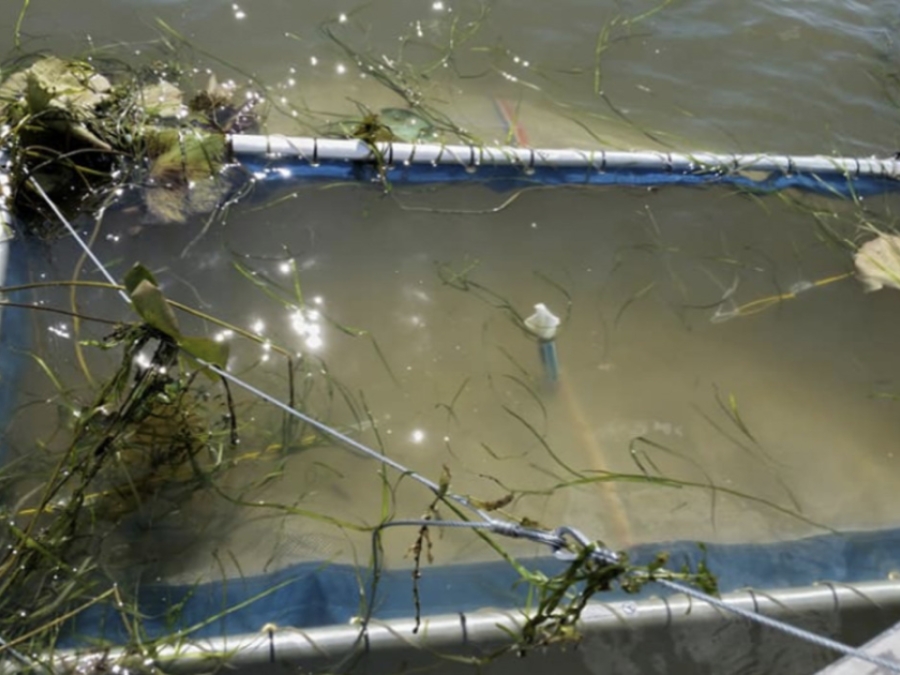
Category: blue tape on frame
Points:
column 14, row 336
column 314, row 594
column 503, row 178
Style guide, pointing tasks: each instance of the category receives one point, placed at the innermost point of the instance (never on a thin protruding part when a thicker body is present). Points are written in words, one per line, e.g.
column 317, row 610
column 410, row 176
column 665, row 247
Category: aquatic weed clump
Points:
column 147, row 440
column 91, row 135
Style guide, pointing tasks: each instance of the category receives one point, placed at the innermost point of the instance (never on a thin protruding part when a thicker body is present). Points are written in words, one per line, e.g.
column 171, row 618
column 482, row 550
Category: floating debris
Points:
column 878, row 263
column 385, row 126
column 61, row 95
column 185, row 174
column 163, row 100
column 215, row 108
column 407, row 125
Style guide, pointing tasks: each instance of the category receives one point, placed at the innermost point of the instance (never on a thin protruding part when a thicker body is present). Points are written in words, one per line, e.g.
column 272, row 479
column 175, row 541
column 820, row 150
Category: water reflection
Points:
column 307, row 324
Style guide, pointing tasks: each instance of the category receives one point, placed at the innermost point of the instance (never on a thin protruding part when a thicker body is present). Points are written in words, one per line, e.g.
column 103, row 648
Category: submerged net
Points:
column 152, row 498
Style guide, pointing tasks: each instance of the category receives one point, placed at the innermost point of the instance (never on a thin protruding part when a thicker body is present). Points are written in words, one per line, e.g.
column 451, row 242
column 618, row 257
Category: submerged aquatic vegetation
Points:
column 156, row 438
column 159, row 432
column 561, row 599
column 420, row 120
column 174, row 440
column 147, row 432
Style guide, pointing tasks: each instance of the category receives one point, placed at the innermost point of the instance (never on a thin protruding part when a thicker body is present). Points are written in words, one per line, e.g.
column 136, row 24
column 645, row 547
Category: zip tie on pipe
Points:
column 352, row 150
column 558, row 540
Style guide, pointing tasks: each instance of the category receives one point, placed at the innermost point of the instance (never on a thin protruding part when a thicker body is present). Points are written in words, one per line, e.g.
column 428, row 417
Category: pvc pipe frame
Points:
column 274, row 648
column 315, row 150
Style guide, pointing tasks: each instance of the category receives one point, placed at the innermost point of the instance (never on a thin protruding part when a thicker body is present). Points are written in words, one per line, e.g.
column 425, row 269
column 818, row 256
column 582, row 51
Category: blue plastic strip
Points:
column 504, row 178
column 314, row 594
column 13, row 340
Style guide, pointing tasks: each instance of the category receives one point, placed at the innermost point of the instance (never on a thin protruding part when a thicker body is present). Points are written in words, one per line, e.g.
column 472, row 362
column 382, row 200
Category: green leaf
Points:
column 136, row 275
column 187, row 154
column 37, row 98
column 151, row 304
column 444, row 482
column 70, row 86
column 206, row 350
column 161, row 99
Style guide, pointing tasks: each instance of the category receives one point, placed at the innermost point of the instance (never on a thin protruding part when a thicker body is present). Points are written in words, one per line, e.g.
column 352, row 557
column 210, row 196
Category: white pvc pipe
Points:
column 315, row 150
column 390, row 644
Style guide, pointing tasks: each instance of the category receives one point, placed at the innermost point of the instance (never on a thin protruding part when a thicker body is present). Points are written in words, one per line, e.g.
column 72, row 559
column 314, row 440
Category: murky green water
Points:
column 791, row 405
column 765, row 76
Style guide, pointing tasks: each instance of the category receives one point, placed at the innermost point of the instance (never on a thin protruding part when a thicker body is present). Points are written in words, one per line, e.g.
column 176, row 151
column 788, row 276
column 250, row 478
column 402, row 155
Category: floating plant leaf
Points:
column 186, row 171
column 136, row 275
column 205, row 349
column 37, row 98
column 69, row 91
column 151, row 304
column 154, row 309
column 185, row 155
column 163, row 100
column 51, row 82
column 407, row 125
column 878, row 263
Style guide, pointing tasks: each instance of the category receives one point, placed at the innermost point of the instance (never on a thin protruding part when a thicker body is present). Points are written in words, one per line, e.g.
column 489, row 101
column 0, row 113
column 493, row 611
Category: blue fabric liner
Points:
column 503, row 178
column 316, row 594
column 13, row 338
